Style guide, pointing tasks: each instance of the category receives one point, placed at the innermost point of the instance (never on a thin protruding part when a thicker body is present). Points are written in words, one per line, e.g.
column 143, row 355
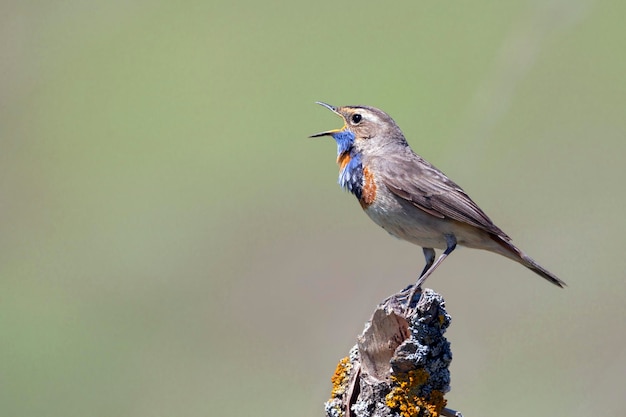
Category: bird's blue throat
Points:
column 350, row 165
column 345, row 140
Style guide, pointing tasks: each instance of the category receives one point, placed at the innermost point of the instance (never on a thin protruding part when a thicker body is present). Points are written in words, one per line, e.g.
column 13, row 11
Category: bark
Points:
column 399, row 366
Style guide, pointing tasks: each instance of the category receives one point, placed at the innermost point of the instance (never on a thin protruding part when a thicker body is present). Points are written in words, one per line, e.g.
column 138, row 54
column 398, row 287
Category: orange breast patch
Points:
column 368, row 194
column 343, row 160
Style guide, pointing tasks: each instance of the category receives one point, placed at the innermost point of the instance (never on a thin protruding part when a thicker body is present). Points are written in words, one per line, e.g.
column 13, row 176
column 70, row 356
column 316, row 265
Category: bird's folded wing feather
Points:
column 412, row 178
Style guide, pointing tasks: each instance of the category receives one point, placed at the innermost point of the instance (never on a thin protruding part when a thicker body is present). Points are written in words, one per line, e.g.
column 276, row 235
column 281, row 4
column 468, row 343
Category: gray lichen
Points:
column 399, row 366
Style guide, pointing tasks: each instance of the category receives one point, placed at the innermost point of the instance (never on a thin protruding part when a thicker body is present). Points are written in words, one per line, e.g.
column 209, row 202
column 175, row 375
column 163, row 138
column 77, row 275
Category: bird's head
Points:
column 365, row 128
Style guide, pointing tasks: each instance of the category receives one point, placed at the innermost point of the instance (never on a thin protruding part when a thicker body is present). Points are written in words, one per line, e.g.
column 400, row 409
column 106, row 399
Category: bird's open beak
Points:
column 328, row 132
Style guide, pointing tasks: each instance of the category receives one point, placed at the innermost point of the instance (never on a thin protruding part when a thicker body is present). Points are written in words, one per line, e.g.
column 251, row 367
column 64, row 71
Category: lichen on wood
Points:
column 400, row 364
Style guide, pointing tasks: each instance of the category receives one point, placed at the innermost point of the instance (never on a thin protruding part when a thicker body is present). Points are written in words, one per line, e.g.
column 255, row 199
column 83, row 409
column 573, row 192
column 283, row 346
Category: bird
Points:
column 409, row 197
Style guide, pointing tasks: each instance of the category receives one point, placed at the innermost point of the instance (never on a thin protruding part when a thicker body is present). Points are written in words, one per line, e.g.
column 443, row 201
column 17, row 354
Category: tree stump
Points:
column 399, row 366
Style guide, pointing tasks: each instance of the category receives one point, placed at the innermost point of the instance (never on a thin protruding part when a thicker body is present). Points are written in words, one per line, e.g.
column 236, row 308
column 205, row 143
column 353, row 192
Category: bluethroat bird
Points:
column 409, row 197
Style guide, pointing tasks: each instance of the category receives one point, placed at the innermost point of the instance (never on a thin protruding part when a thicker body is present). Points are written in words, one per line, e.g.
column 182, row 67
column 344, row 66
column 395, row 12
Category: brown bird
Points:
column 409, row 197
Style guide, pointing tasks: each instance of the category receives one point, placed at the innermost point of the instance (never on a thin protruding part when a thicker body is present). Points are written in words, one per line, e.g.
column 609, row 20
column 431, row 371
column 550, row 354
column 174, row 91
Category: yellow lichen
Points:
column 404, row 395
column 340, row 377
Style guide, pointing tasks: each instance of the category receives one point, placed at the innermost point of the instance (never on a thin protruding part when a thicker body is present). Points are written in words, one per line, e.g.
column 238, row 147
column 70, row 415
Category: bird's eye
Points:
column 356, row 118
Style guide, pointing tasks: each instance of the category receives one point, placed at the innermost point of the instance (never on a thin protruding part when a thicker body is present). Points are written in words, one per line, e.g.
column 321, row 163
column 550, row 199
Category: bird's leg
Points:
column 451, row 245
column 429, row 254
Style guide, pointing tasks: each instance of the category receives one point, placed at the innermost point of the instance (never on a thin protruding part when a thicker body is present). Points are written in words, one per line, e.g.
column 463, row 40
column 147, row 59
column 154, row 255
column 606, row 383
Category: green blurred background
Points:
column 172, row 244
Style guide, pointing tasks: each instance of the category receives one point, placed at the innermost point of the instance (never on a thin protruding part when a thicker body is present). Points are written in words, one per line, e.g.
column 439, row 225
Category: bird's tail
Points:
column 512, row 252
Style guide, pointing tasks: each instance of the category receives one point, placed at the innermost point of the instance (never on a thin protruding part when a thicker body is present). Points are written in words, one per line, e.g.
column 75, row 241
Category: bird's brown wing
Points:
column 410, row 177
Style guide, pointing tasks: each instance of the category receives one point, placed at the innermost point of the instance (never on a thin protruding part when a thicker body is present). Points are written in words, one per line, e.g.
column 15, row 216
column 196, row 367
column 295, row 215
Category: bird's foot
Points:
column 411, row 302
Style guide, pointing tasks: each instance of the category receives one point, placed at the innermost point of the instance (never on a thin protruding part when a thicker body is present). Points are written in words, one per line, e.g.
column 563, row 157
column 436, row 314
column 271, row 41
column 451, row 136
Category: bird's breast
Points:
column 356, row 178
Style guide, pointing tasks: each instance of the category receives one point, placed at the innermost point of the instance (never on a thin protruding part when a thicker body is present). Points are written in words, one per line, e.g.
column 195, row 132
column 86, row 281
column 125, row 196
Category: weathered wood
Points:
column 399, row 366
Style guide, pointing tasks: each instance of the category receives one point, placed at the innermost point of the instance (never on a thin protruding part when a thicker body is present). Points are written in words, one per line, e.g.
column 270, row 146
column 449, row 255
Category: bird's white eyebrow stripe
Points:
column 371, row 116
